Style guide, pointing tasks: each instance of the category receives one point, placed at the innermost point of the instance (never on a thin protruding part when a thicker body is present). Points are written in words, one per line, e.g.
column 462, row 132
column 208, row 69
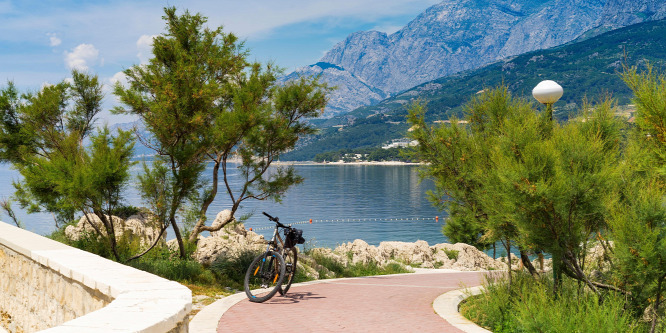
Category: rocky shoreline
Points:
column 234, row 240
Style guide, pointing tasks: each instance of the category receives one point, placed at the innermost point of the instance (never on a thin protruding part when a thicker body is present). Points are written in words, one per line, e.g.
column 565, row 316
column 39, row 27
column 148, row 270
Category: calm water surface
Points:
column 329, row 192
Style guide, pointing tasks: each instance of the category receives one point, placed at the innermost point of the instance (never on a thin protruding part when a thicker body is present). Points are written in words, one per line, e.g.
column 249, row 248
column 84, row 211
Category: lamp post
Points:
column 548, row 92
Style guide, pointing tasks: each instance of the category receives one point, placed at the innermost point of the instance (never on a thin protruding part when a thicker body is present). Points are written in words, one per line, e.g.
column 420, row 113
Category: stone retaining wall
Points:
column 46, row 285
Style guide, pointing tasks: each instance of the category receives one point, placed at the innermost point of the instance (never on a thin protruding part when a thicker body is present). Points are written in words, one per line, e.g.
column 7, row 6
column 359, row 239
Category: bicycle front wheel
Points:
column 290, row 261
column 264, row 276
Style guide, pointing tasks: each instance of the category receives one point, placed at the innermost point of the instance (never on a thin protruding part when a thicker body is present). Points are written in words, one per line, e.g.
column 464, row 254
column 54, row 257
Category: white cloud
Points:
column 118, row 77
column 267, row 15
column 145, row 46
column 53, row 39
column 81, row 57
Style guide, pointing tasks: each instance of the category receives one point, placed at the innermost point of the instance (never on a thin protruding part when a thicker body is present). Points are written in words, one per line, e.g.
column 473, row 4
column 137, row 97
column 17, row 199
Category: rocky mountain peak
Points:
column 458, row 35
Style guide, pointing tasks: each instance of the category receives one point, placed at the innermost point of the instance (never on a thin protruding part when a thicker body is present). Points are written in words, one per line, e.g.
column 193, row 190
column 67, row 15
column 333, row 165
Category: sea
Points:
column 345, row 202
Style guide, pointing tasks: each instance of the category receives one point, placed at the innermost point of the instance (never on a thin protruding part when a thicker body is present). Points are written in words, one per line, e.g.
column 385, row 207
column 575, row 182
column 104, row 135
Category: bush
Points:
column 232, row 271
column 531, row 306
column 124, row 212
column 176, row 269
column 452, row 254
column 355, row 270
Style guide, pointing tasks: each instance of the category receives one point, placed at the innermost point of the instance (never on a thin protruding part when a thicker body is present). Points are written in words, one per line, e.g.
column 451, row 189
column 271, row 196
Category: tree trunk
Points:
column 653, row 327
column 179, row 237
column 110, row 232
column 507, row 246
column 527, row 263
column 557, row 273
column 164, row 228
column 204, row 207
column 569, row 259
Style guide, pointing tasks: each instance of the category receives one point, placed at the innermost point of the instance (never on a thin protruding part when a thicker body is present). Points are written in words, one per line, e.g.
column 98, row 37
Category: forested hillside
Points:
column 586, row 69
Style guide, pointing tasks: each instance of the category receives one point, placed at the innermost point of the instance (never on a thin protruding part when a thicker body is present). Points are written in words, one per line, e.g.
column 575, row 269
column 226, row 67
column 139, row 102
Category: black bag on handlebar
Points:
column 293, row 236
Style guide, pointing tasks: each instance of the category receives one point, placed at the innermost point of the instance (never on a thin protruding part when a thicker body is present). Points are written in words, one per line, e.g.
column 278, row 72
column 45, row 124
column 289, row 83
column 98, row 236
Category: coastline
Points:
column 236, row 160
column 383, row 163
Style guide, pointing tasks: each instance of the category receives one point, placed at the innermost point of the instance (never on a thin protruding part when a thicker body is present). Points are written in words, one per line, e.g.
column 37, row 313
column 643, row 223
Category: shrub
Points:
column 452, row 254
column 182, row 270
column 354, row 270
column 531, row 306
column 233, row 270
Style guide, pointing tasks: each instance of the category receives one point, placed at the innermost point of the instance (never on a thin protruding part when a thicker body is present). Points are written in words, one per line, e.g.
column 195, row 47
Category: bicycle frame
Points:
column 273, row 243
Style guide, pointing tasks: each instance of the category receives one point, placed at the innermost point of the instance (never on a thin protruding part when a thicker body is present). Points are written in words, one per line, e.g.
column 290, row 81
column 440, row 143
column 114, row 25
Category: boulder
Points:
column 469, row 258
column 141, row 226
column 417, row 254
column 229, row 242
column 225, row 218
column 359, row 251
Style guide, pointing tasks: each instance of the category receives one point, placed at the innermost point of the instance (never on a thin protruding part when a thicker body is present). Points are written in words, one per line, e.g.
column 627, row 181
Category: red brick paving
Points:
column 390, row 303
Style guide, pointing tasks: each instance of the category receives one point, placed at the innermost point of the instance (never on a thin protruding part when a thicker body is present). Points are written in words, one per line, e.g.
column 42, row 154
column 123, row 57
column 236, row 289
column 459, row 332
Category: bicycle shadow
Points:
column 295, row 297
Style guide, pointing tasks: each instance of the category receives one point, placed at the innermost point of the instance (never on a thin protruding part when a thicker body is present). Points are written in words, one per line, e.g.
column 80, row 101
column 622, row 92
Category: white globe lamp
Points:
column 548, row 92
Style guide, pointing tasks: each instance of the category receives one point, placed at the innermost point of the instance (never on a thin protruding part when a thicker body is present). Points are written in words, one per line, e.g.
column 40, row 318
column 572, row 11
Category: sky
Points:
column 42, row 41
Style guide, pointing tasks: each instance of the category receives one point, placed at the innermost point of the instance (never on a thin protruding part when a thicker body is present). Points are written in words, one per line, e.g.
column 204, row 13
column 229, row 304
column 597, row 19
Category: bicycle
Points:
column 266, row 274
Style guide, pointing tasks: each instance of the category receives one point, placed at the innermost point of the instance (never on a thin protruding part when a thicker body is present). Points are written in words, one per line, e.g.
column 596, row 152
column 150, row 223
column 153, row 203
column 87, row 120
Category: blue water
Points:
column 329, row 192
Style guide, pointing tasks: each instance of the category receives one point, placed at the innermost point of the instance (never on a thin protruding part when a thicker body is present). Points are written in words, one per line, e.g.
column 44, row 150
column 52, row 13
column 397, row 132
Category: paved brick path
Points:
column 391, row 303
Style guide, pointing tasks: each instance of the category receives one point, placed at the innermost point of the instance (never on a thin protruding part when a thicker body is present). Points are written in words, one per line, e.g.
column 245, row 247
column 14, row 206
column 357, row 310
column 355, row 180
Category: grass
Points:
column 452, row 254
column 354, row 270
column 531, row 306
column 231, row 271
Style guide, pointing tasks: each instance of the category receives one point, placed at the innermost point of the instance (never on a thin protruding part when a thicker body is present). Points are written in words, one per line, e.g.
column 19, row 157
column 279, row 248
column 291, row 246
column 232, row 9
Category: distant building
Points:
column 400, row 143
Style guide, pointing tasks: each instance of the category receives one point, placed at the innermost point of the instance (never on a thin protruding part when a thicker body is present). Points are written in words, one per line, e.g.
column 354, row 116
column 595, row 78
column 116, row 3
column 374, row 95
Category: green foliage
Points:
column 125, row 211
column 203, row 101
column 6, row 206
column 452, row 254
column 364, row 133
column 638, row 220
column 531, row 306
column 233, row 270
column 513, row 175
column 176, row 269
column 42, row 135
column 560, row 188
column 354, row 270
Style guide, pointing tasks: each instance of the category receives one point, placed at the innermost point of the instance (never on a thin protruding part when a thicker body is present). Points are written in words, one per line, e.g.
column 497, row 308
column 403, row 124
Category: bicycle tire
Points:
column 290, row 263
column 264, row 276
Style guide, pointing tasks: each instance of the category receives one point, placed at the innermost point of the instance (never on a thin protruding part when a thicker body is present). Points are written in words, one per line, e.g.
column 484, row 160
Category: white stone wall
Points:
column 46, row 285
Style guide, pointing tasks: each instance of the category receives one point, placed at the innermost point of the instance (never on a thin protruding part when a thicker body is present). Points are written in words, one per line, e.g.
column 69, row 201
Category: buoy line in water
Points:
column 311, row 221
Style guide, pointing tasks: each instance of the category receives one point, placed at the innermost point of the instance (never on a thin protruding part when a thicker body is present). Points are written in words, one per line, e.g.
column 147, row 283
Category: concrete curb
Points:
column 207, row 320
column 139, row 301
column 446, row 306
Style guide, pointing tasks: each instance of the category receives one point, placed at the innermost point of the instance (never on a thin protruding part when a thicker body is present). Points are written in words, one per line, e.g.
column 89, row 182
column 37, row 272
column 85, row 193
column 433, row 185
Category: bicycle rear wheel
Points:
column 290, row 261
column 264, row 276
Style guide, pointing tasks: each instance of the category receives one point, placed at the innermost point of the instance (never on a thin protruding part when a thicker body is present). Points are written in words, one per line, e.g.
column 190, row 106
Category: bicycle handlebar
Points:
column 276, row 220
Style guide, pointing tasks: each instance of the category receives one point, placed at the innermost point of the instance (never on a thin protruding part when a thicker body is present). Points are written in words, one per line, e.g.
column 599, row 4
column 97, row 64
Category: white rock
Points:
column 141, row 226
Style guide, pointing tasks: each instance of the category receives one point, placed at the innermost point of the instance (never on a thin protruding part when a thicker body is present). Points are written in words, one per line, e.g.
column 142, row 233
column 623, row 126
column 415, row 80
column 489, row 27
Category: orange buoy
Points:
column 436, row 219
column 250, row 229
column 310, row 221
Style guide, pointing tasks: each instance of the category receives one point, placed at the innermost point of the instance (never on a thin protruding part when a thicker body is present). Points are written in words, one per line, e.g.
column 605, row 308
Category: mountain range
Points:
column 587, row 69
column 459, row 35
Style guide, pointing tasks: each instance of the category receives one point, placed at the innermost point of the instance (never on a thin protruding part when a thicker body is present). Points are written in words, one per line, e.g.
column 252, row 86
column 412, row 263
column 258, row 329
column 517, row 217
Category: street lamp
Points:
column 548, row 92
